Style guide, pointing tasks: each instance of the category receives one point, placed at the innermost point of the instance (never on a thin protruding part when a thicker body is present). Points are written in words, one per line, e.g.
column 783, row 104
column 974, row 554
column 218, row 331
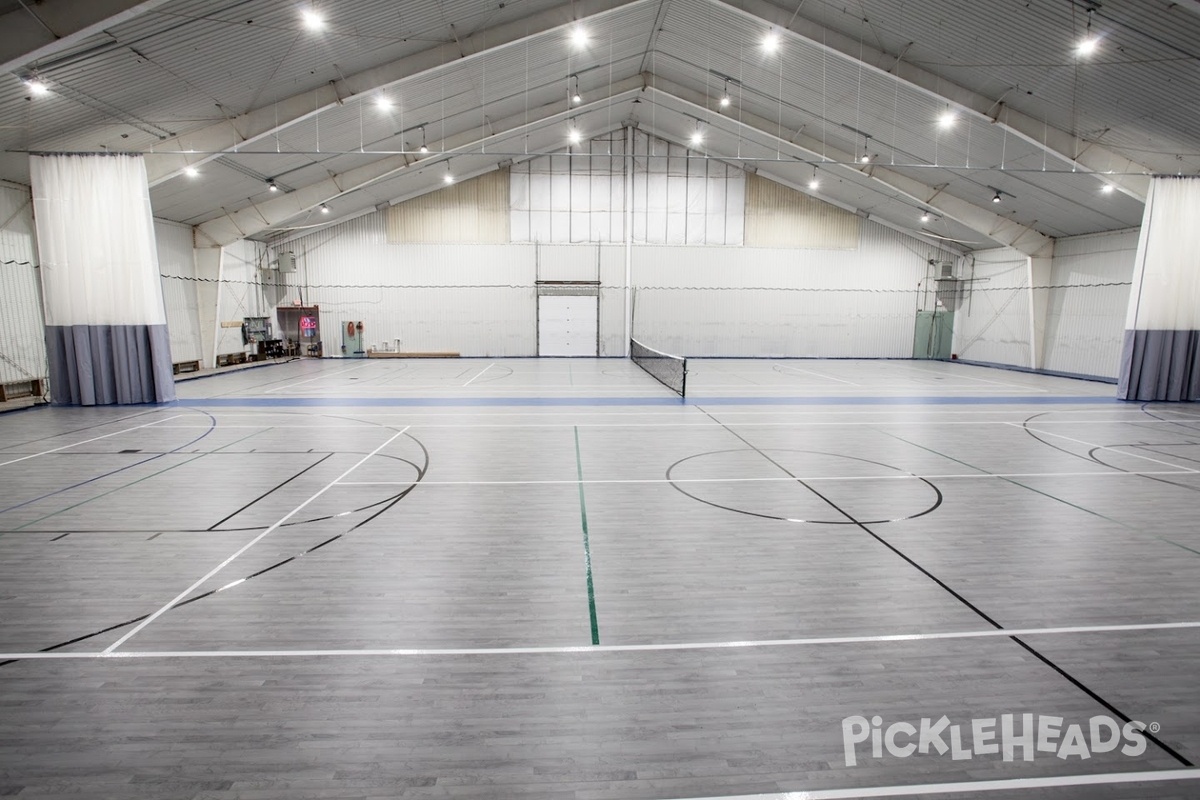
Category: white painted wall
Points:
column 806, row 303
column 476, row 300
column 993, row 324
column 22, row 330
column 177, row 265
column 241, row 294
column 480, row 300
column 1085, row 326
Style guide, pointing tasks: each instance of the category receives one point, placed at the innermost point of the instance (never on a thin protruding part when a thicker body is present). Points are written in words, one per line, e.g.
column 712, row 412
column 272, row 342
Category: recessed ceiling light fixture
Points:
column 37, row 85
column 1088, row 44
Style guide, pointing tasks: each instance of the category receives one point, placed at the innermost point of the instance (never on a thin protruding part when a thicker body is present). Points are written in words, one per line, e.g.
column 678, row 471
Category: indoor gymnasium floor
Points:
column 547, row 578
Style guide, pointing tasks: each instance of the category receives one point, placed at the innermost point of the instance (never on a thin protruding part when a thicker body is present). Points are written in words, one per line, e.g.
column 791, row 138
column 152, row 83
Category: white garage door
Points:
column 567, row 325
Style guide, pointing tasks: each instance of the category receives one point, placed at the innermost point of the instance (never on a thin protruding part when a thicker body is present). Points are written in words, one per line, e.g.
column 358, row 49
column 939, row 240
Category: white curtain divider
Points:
column 106, row 331
column 1161, row 355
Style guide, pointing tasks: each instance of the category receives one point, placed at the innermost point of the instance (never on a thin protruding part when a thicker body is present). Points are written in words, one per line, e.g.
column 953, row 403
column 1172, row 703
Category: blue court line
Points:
column 391, row 402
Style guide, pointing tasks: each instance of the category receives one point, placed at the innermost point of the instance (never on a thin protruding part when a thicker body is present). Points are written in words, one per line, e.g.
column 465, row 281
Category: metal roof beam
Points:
column 39, row 30
column 1087, row 156
column 257, row 123
column 256, row 218
column 998, row 228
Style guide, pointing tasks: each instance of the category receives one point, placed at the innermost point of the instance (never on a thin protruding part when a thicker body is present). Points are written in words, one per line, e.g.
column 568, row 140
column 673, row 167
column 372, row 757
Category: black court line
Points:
column 212, row 427
column 79, row 430
column 387, row 504
column 267, row 493
column 911, row 562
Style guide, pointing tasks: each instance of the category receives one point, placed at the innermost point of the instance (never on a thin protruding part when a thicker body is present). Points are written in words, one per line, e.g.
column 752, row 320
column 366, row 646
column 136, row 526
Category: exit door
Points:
column 934, row 335
column 568, row 325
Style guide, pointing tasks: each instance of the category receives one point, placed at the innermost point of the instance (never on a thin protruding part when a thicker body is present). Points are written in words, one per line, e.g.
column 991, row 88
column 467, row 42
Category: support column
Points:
column 629, row 162
column 209, row 266
column 1039, row 303
column 106, row 327
column 1161, row 355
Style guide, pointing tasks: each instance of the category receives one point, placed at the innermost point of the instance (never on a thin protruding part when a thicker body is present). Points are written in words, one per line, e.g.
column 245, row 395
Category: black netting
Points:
column 670, row 371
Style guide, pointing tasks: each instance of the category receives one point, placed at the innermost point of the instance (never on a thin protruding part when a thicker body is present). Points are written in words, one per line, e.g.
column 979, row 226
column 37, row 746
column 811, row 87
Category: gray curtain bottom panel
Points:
column 92, row 365
column 1160, row 365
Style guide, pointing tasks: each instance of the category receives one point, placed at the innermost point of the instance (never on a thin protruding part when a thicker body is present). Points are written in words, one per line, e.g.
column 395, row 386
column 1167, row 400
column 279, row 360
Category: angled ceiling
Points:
column 243, row 92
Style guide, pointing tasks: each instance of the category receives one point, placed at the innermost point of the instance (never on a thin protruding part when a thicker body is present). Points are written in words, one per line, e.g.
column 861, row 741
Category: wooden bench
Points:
column 31, row 388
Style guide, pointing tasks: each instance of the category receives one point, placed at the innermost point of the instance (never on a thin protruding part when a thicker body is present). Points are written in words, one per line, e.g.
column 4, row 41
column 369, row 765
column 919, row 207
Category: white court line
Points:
column 935, row 373
column 1102, row 447
column 485, row 369
column 818, row 374
column 98, row 438
column 706, row 423
column 319, row 377
column 1002, row 785
column 724, row 390
column 609, row 648
column 971, row 476
column 246, row 547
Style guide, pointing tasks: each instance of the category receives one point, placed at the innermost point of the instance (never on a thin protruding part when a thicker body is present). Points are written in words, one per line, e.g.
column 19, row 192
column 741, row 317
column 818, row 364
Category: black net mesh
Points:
column 670, row 371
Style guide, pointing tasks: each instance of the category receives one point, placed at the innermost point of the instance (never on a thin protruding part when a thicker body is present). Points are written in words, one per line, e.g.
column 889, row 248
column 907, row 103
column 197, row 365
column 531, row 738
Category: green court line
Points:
column 587, row 547
column 139, row 480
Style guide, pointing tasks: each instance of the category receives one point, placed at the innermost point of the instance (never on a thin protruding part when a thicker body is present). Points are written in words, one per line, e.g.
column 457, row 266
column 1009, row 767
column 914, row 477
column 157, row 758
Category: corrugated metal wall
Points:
column 481, row 299
column 177, row 265
column 1085, row 326
column 804, row 303
column 472, row 299
column 22, row 329
column 992, row 324
column 241, row 294
column 779, row 216
column 612, row 300
column 474, row 211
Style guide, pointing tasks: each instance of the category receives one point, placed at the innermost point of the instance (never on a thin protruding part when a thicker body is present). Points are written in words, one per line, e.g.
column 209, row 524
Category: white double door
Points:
column 568, row 325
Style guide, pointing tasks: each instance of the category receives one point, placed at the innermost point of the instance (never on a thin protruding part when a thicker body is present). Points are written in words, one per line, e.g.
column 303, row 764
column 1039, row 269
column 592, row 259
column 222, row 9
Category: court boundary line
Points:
column 95, row 439
column 479, row 375
column 112, row 647
column 533, row 401
column 1111, row 448
column 615, row 648
column 906, row 476
column 307, row 380
column 996, row 785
